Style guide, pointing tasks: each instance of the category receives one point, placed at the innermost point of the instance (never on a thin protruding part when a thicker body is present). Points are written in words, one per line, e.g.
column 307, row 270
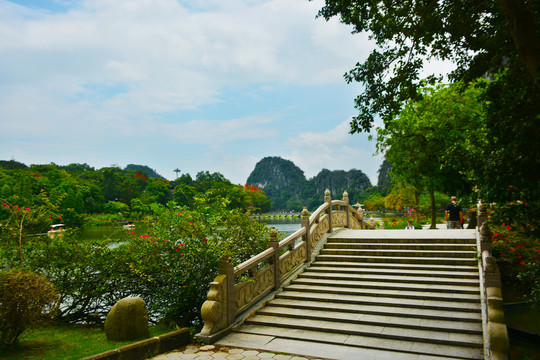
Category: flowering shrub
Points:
column 170, row 267
column 394, row 224
column 516, row 246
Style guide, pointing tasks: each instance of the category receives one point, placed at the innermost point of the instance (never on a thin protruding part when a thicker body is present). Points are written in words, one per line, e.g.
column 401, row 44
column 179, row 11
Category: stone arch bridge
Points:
column 337, row 289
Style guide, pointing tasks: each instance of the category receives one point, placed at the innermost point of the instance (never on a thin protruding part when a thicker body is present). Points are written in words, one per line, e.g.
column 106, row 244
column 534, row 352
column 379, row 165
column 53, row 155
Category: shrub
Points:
column 25, row 297
column 170, row 267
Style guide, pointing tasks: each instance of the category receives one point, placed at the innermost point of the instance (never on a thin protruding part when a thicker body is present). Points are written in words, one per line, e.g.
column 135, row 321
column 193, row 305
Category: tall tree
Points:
column 432, row 143
column 498, row 39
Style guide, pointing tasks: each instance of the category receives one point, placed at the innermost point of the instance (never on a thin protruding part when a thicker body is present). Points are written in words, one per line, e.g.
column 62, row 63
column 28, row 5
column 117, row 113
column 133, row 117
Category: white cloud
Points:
column 86, row 84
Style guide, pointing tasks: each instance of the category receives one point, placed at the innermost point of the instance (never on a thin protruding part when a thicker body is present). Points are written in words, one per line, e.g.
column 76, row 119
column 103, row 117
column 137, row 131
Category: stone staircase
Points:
column 383, row 294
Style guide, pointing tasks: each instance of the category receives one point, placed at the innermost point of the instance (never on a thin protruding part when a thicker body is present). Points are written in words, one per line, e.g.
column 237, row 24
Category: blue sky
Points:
column 196, row 85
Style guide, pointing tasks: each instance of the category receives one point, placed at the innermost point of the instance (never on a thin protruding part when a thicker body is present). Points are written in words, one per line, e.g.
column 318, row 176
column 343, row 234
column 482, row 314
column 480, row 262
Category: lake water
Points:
column 285, row 226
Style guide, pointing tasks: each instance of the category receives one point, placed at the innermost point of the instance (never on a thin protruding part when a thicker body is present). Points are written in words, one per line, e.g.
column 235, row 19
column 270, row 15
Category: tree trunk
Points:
column 417, row 204
column 523, row 29
column 433, row 209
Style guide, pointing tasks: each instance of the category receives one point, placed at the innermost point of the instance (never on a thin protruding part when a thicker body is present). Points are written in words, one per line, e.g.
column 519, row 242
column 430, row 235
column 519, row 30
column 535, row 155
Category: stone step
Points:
column 388, row 310
column 389, row 285
column 401, row 246
column 339, row 347
column 381, row 331
column 457, row 269
column 374, row 319
column 420, row 304
column 376, row 240
column 343, row 346
column 400, row 253
column 396, row 293
column 398, row 259
column 390, row 271
column 385, row 277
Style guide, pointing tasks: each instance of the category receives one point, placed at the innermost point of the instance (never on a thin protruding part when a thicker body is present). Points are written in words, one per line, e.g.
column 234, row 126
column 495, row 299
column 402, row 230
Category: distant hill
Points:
column 149, row 172
column 288, row 188
column 384, row 180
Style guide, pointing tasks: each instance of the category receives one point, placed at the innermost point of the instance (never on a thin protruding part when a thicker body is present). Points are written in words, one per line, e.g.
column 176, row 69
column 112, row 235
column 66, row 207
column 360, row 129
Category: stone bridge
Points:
column 336, row 289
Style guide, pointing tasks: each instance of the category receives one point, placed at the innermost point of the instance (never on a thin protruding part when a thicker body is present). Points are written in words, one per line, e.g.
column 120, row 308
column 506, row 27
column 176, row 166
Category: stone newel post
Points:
column 307, row 240
column 346, row 200
column 328, row 199
column 274, row 243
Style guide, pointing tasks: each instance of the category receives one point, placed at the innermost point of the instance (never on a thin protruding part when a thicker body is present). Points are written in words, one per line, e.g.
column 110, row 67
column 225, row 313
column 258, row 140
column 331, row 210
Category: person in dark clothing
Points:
column 453, row 215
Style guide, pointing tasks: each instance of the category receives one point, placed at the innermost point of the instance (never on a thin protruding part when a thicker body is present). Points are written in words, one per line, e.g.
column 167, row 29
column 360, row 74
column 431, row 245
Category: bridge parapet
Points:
column 236, row 289
column 495, row 331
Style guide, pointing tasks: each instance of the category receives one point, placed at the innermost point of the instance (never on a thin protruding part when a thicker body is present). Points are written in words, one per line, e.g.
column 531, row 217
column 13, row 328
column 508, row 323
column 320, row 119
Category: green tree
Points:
column 424, row 143
column 495, row 39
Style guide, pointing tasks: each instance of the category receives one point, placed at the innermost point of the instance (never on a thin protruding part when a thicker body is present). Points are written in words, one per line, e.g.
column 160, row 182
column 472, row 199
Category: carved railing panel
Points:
column 318, row 231
column 339, row 218
column 251, row 290
column 291, row 260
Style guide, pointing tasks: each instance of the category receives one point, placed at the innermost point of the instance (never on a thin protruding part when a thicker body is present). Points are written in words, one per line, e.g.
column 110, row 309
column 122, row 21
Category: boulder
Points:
column 127, row 320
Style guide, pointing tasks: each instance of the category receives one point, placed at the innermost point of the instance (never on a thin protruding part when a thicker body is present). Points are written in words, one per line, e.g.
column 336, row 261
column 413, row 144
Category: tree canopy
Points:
column 434, row 143
column 480, row 37
column 496, row 40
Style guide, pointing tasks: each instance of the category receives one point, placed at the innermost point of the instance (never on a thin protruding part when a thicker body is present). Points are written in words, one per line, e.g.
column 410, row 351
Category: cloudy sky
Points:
column 190, row 84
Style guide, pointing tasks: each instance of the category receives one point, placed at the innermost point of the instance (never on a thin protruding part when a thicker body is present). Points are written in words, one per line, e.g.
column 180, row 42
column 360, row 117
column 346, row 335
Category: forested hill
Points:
column 141, row 169
column 287, row 187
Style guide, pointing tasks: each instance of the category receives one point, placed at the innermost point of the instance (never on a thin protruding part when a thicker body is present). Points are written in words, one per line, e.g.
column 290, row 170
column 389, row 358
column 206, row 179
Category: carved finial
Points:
column 273, row 234
column 305, row 213
column 327, row 196
column 346, row 197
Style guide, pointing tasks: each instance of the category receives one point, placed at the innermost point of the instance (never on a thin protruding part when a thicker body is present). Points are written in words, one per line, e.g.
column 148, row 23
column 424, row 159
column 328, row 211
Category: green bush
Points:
column 25, row 297
column 171, row 267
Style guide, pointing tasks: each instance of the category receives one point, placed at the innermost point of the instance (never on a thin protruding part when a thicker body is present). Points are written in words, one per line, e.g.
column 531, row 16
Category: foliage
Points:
column 400, row 224
column 531, row 275
column 480, row 37
column 78, row 191
column 434, row 139
column 19, row 220
column 170, row 267
column 25, row 297
column 498, row 40
column 176, row 261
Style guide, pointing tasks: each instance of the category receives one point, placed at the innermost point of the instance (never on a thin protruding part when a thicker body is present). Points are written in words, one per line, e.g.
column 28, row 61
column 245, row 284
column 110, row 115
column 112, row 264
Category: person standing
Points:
column 410, row 226
column 453, row 215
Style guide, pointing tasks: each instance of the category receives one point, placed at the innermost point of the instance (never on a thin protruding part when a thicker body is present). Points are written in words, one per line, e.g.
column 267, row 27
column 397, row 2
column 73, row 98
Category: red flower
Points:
column 508, row 228
column 521, row 263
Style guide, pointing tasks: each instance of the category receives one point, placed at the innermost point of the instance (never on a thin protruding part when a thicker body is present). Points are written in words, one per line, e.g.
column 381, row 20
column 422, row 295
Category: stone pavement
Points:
column 211, row 352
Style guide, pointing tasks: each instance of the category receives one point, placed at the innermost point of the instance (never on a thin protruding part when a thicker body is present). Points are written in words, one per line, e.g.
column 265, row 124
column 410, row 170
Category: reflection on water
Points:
column 285, row 226
column 108, row 231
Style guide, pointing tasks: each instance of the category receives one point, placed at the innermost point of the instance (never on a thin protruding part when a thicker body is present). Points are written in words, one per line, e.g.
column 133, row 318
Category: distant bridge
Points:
column 335, row 289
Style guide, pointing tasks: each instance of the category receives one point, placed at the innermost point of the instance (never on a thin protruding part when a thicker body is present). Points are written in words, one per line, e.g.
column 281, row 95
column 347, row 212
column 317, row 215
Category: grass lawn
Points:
column 66, row 342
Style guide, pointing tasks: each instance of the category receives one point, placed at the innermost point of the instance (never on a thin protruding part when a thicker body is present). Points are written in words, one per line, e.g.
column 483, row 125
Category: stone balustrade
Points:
column 236, row 289
column 495, row 331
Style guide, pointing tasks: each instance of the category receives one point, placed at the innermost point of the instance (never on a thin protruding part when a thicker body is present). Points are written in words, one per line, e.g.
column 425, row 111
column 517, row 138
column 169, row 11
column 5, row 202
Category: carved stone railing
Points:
column 237, row 289
column 496, row 342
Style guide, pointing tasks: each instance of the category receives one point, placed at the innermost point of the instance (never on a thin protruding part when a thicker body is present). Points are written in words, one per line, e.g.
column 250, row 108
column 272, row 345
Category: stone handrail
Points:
column 237, row 289
column 495, row 332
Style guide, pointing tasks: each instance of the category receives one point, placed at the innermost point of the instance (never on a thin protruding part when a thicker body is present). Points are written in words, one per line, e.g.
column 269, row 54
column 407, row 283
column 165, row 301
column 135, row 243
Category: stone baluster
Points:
column 274, row 243
column 346, row 200
column 328, row 199
column 482, row 213
column 306, row 238
column 226, row 268
column 496, row 325
column 360, row 215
